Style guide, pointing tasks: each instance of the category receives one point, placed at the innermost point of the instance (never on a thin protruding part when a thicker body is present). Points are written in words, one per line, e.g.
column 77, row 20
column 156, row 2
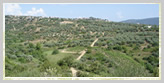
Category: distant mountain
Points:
column 149, row 21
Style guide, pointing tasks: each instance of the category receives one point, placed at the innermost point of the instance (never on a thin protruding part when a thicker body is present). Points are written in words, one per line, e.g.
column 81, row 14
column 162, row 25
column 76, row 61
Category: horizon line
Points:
column 82, row 17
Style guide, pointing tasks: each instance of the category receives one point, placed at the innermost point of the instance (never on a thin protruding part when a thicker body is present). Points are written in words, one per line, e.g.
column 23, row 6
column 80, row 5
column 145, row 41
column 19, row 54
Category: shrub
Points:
column 49, row 45
column 156, row 72
column 89, row 51
column 61, row 47
column 148, row 46
column 67, row 61
column 136, row 59
column 82, row 74
column 156, row 54
column 149, row 67
column 22, row 59
column 46, row 64
column 31, row 45
column 117, row 48
column 38, row 46
column 136, row 47
column 155, row 44
column 109, row 48
column 55, row 52
column 29, row 58
column 21, row 55
column 12, row 56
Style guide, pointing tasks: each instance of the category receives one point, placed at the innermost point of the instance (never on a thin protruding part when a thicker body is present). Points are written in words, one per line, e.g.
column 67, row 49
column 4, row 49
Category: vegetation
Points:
column 55, row 51
column 49, row 47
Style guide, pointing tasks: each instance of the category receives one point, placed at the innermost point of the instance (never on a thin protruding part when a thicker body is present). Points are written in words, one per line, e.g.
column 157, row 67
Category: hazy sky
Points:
column 113, row 12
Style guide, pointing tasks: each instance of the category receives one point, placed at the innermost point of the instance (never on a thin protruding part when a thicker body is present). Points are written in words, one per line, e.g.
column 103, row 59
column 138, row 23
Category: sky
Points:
column 112, row 12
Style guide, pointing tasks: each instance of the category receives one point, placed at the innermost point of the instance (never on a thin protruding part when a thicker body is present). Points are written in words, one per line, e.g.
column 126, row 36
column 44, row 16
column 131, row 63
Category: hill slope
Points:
column 149, row 21
column 50, row 47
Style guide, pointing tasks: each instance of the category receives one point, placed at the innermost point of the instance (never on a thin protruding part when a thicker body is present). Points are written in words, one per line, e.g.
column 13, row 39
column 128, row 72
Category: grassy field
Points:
column 76, row 49
column 55, row 58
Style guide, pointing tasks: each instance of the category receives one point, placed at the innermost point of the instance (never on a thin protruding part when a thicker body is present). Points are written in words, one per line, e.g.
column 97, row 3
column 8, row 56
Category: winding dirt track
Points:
column 74, row 71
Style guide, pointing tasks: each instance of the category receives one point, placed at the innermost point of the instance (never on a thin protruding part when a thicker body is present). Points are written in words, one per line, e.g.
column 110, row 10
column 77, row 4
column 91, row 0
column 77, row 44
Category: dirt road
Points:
column 64, row 51
column 82, row 53
column 74, row 71
column 94, row 42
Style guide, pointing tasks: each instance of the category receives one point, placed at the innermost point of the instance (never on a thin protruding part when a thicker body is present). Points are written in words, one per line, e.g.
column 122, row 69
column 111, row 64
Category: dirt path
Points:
column 145, row 45
column 74, row 71
column 94, row 42
column 82, row 53
column 103, row 34
column 64, row 51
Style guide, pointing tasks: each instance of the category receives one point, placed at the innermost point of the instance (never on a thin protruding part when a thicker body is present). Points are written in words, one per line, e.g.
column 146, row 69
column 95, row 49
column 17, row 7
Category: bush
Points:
column 89, row 51
column 82, row 74
column 25, row 58
column 46, row 64
column 49, row 45
column 21, row 55
column 29, row 58
column 22, row 59
column 31, row 45
column 67, row 61
column 136, row 47
column 38, row 54
column 109, row 48
column 149, row 67
column 136, row 59
column 156, row 54
column 117, row 48
column 55, row 52
column 12, row 56
column 155, row 44
column 61, row 47
column 38, row 46
column 156, row 72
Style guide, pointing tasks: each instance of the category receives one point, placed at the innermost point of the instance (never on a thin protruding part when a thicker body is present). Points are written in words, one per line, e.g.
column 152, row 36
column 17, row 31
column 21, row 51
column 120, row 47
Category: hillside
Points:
column 148, row 21
column 88, row 47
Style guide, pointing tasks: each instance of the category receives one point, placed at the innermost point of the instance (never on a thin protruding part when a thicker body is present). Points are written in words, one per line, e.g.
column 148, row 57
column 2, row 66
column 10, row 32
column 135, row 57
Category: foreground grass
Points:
column 104, row 63
column 48, row 68
column 125, row 66
column 97, row 63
